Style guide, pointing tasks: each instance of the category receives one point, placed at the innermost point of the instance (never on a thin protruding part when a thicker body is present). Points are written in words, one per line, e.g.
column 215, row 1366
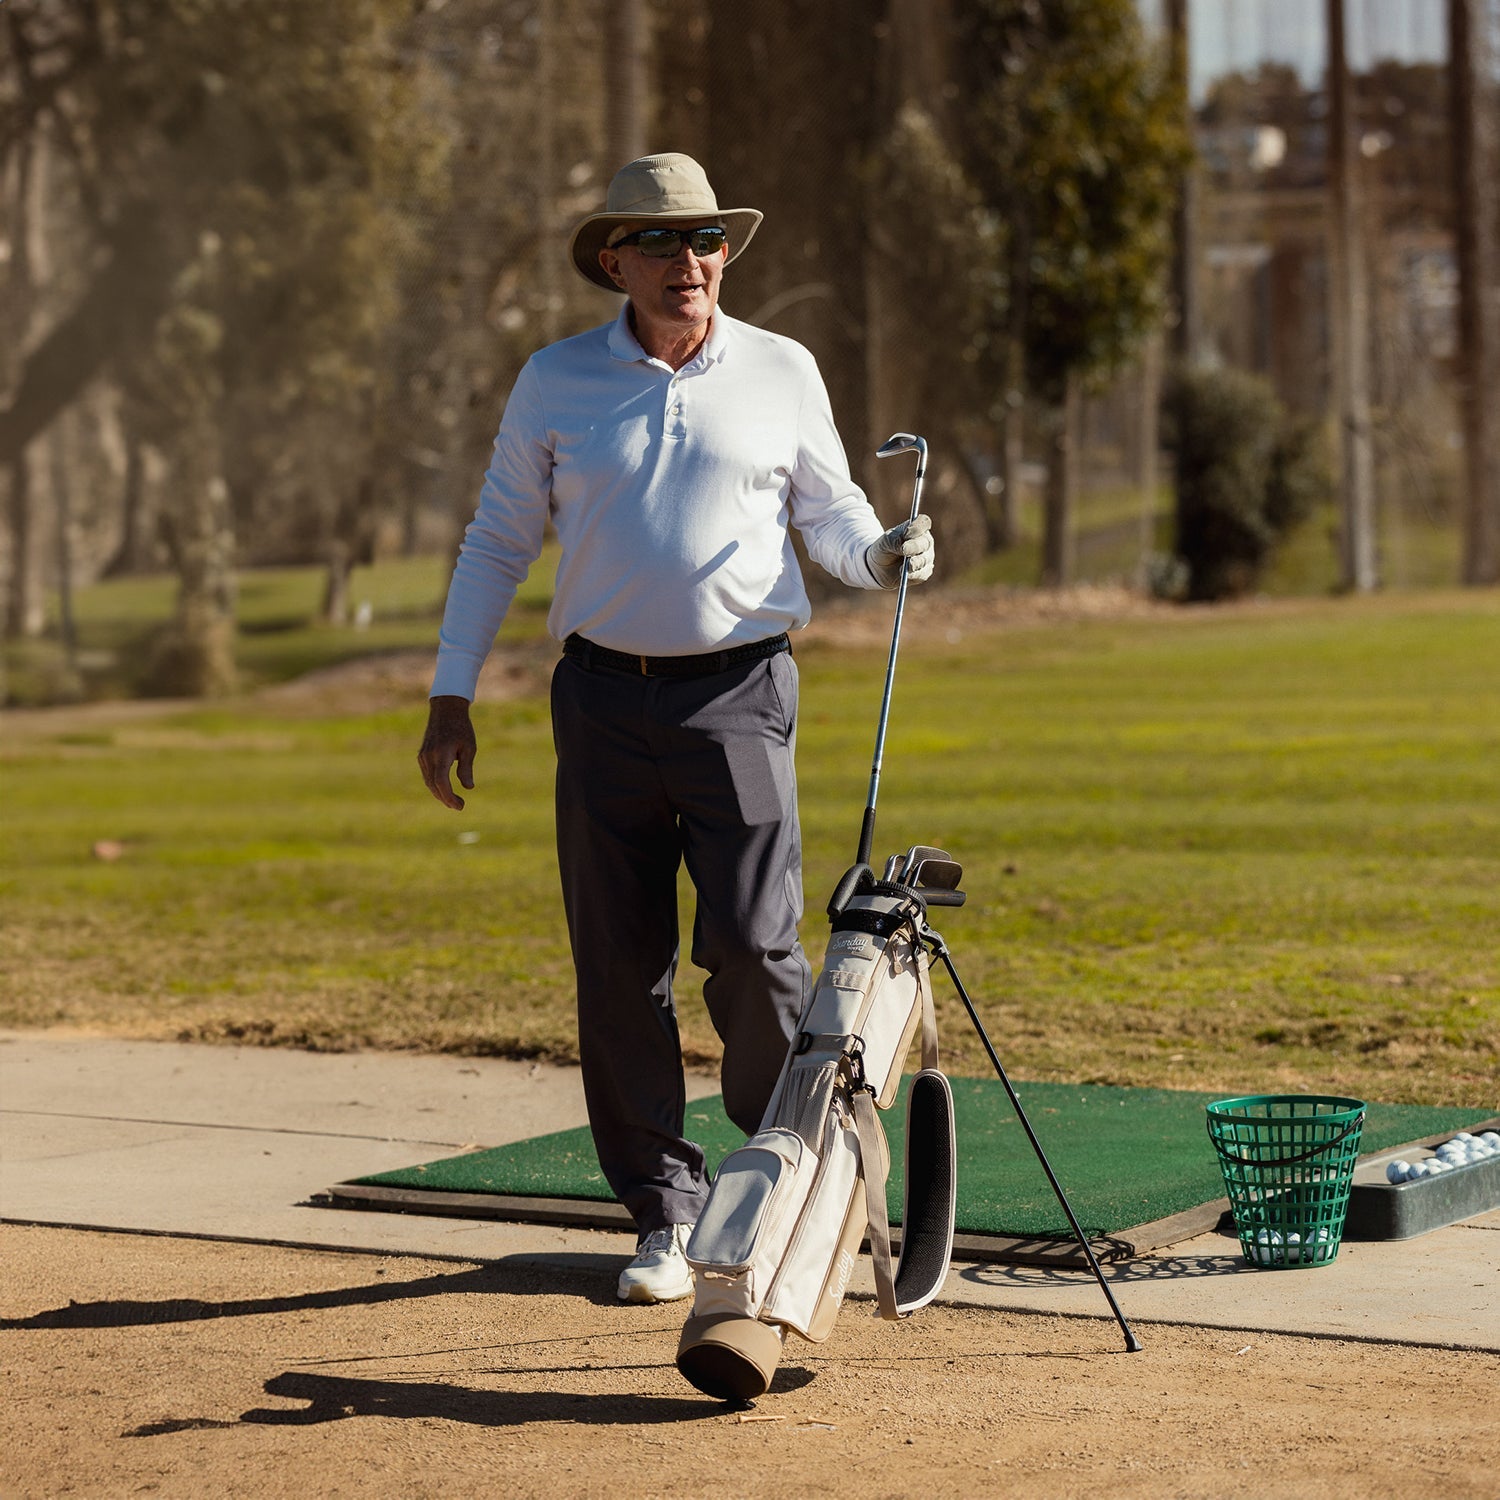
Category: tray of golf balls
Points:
column 1464, row 1150
column 1417, row 1188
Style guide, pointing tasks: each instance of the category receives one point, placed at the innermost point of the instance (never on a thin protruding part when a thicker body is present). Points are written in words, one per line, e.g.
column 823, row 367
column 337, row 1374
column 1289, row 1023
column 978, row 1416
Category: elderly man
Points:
column 671, row 448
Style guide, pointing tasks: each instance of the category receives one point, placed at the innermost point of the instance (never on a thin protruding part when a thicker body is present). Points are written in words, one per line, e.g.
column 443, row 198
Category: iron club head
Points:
column 901, row 442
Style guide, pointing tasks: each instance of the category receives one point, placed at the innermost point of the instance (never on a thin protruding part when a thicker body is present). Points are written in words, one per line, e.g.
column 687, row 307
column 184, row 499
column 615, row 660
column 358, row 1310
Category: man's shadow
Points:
column 335, row 1398
column 586, row 1276
column 332, row 1398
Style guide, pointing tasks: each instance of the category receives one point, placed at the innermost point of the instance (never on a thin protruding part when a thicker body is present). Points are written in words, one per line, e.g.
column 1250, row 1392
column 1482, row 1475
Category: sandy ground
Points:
column 152, row 1365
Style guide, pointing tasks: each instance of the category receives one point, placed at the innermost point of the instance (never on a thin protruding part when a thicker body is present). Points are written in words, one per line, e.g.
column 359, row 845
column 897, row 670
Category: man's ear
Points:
column 610, row 264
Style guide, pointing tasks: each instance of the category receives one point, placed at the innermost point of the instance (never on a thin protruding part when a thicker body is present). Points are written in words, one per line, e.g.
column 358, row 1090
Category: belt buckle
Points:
column 644, row 671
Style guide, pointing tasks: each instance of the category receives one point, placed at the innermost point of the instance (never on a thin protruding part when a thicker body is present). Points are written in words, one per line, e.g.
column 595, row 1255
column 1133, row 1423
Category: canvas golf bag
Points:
column 788, row 1211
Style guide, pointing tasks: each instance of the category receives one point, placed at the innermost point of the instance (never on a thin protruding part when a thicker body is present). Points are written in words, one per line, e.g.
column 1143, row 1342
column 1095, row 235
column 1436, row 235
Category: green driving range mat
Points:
column 1125, row 1157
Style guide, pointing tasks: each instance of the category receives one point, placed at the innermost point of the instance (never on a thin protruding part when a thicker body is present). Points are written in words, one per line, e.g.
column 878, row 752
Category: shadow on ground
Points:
column 588, row 1276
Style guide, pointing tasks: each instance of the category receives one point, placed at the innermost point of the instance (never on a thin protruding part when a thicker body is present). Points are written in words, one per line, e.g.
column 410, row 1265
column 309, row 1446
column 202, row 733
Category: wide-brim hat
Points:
column 669, row 187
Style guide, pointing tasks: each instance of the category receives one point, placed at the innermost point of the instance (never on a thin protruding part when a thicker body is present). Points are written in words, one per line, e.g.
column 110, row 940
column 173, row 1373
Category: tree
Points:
column 1246, row 475
column 1476, row 163
column 770, row 71
column 1075, row 140
column 232, row 166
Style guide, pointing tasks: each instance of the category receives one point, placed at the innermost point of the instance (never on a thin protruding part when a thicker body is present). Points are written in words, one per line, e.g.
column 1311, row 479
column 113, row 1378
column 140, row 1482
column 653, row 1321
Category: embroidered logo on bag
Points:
column 850, row 942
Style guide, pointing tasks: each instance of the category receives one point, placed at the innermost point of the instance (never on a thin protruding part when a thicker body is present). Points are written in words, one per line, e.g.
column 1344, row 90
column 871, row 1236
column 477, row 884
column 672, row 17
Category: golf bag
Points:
column 777, row 1239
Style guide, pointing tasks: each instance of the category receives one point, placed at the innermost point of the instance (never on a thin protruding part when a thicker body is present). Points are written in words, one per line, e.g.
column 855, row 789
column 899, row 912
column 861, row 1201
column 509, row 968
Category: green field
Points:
column 1233, row 850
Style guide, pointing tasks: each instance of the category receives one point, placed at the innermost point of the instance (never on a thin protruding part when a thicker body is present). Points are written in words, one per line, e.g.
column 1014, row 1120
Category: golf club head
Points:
column 937, row 875
column 902, row 442
column 907, row 863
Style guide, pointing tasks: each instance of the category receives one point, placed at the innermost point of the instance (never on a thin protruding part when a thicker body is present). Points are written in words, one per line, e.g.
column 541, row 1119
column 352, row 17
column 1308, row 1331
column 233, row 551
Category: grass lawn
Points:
column 276, row 611
column 1246, row 850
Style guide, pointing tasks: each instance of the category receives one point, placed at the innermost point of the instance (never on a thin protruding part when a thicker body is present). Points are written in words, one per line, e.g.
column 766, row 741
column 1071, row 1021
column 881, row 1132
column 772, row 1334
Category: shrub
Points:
column 1246, row 475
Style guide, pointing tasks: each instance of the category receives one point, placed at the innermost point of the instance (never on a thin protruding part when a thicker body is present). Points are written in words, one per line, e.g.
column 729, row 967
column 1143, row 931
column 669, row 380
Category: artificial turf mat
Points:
column 1125, row 1157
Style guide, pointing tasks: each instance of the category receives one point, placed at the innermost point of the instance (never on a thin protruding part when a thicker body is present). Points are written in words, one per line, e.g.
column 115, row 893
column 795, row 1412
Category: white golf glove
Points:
column 910, row 541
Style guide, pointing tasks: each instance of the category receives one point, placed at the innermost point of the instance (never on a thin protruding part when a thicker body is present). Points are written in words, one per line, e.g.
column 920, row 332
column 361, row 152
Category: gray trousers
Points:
column 652, row 773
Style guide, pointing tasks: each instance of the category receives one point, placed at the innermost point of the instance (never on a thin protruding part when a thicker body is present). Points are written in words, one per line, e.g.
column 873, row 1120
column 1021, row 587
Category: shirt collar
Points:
column 624, row 345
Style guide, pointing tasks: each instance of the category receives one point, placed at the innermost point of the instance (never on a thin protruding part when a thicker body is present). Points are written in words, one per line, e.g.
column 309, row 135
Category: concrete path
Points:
column 226, row 1142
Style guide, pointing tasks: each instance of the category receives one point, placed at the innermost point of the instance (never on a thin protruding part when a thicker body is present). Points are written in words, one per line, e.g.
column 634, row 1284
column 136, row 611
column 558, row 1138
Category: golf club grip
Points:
column 942, row 898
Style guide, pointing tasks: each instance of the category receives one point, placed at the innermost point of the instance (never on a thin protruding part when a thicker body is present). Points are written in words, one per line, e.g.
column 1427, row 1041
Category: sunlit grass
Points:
column 281, row 634
column 1241, row 849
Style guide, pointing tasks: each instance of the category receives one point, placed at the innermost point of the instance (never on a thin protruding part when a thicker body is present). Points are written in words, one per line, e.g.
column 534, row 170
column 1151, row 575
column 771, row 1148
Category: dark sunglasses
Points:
column 660, row 244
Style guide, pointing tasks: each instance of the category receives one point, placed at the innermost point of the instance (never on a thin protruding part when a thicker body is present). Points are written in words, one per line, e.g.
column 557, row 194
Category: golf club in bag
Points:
column 777, row 1240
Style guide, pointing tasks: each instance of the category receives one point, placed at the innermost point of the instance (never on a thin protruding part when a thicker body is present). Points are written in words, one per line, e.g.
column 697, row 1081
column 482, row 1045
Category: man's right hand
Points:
column 449, row 741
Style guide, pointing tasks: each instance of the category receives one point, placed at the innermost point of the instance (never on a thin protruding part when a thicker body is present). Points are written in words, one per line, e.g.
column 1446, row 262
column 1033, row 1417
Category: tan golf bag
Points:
column 778, row 1237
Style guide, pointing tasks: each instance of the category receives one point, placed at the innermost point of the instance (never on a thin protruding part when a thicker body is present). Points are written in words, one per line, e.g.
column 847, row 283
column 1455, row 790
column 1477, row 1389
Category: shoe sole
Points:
column 638, row 1293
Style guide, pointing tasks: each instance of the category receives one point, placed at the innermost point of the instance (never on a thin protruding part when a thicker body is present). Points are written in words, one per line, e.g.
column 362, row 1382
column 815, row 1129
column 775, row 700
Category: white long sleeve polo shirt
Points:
column 671, row 493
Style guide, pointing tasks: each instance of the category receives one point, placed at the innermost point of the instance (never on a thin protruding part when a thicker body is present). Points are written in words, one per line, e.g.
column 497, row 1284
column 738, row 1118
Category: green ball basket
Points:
column 1288, row 1163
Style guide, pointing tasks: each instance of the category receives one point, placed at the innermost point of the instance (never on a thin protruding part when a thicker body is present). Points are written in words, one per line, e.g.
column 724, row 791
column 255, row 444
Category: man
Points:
column 671, row 449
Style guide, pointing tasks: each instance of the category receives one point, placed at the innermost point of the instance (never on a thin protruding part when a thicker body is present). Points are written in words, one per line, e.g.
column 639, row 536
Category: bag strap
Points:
column 874, row 1152
column 875, row 1165
column 929, row 1015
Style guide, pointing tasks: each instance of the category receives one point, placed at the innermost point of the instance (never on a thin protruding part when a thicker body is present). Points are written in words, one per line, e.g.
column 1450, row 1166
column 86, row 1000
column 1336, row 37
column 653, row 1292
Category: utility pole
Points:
column 1350, row 320
column 1474, row 103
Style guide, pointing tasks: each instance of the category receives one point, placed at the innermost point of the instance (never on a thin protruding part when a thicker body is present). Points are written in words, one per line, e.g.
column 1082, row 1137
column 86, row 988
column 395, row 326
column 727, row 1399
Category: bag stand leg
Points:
column 940, row 949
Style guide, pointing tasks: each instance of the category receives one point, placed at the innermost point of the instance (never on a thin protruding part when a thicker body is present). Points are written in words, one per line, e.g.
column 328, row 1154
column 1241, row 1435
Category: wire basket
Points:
column 1288, row 1163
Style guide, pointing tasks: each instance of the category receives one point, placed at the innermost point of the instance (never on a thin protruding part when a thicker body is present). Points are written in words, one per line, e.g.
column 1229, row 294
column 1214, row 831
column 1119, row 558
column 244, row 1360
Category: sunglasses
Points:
column 661, row 244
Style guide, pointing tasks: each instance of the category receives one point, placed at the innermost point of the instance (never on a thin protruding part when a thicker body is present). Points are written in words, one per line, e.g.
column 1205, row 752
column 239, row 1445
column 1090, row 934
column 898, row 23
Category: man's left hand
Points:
column 911, row 542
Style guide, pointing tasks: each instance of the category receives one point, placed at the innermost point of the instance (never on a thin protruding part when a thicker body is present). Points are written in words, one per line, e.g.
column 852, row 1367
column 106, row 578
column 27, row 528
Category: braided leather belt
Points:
column 703, row 665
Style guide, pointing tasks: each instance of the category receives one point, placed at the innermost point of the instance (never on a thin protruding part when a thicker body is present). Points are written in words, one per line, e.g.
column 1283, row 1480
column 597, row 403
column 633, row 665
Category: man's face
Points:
column 672, row 294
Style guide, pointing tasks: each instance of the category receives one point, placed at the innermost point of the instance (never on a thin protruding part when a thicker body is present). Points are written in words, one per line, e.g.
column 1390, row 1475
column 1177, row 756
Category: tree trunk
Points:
column 62, row 510
column 352, row 543
column 1148, row 443
column 1013, row 417
column 25, row 614
column 1057, row 526
column 1351, row 326
column 1476, row 163
column 194, row 657
column 1003, row 513
column 1185, row 321
column 118, row 306
column 136, row 552
column 626, row 58
column 771, row 71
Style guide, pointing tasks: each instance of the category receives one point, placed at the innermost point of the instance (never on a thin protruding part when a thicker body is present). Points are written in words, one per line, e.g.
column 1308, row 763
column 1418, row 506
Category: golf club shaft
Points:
column 867, row 827
column 1132, row 1344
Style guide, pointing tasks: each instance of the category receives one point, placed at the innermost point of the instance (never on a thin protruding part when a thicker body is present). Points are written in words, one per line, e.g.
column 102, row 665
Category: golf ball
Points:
column 1397, row 1170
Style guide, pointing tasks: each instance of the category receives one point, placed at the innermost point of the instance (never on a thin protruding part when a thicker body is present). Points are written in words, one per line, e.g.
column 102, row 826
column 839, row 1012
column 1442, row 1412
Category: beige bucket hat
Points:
column 670, row 187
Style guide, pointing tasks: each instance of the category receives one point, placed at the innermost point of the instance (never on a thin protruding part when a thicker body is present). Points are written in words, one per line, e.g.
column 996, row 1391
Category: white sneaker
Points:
column 659, row 1273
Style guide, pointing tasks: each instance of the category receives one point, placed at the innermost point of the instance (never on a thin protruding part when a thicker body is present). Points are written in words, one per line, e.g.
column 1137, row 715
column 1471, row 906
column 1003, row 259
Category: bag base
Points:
column 728, row 1356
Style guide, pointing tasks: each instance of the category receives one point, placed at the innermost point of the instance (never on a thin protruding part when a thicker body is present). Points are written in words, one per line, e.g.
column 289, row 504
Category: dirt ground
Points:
column 152, row 1365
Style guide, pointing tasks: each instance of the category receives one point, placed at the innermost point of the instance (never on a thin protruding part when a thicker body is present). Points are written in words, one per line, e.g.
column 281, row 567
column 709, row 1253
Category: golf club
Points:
column 901, row 442
column 937, row 877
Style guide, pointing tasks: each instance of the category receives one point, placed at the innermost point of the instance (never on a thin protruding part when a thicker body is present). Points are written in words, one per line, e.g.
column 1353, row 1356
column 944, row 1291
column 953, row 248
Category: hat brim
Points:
column 590, row 236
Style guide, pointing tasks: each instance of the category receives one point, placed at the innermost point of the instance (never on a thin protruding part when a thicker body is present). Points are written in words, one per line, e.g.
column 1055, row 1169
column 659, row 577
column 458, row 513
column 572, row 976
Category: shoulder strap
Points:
column 929, row 1015
column 875, row 1164
column 874, row 1154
